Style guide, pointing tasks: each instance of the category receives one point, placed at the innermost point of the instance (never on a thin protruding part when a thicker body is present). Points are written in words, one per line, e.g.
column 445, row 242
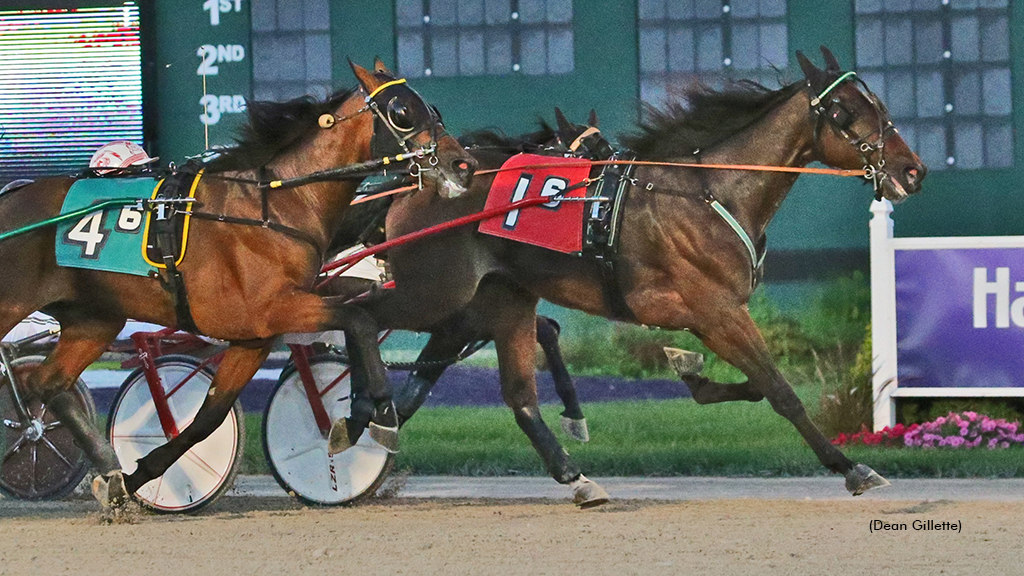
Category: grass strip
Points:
column 651, row 438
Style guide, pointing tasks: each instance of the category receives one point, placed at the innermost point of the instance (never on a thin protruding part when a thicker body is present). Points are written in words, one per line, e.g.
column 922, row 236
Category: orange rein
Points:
column 752, row 167
column 383, row 194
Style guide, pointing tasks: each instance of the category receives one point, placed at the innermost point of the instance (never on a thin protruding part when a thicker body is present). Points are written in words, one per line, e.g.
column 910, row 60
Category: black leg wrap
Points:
column 411, row 395
column 362, row 411
column 65, row 405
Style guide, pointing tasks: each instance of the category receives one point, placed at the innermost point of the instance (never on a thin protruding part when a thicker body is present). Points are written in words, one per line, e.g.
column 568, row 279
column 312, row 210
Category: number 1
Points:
column 512, row 218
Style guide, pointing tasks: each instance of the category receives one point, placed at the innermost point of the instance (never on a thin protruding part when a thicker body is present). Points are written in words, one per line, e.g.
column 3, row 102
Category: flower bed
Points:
column 955, row 430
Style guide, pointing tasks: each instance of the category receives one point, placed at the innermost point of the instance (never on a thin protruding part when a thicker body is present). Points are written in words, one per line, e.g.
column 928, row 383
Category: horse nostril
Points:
column 462, row 167
column 911, row 174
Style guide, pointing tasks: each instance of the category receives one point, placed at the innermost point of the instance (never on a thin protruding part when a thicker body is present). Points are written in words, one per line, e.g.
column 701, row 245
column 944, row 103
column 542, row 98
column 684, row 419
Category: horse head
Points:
column 583, row 140
column 852, row 130
column 405, row 124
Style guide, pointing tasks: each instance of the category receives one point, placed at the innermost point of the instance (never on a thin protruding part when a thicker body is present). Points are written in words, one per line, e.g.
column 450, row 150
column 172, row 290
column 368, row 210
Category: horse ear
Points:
column 365, row 77
column 811, row 72
column 592, row 121
column 563, row 124
column 379, row 67
column 831, row 64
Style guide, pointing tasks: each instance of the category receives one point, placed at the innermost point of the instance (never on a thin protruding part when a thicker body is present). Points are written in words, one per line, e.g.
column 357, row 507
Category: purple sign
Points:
column 960, row 318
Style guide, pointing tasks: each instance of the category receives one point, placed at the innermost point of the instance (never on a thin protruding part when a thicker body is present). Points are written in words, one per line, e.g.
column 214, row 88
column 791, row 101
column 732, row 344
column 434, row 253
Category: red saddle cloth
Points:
column 555, row 225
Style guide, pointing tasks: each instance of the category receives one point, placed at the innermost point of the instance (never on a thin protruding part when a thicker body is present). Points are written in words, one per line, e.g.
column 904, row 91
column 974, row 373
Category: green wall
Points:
column 181, row 29
column 822, row 213
column 604, row 79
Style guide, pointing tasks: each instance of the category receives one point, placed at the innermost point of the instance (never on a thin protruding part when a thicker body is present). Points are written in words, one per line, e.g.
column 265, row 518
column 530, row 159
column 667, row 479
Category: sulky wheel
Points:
column 40, row 460
column 297, row 450
column 202, row 474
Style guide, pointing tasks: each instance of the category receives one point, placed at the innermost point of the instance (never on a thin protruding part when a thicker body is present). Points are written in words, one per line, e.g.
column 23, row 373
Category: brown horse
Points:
column 679, row 264
column 245, row 283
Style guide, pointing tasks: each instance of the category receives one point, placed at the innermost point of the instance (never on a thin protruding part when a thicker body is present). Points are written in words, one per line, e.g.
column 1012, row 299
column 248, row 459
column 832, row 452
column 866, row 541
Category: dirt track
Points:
column 278, row 536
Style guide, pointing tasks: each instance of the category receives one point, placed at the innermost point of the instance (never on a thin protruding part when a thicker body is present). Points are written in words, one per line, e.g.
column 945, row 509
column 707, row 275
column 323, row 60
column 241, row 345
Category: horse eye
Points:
column 400, row 116
column 839, row 115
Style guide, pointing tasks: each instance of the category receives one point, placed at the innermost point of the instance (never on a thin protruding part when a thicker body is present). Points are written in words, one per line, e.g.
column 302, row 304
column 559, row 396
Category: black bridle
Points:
column 840, row 119
column 392, row 114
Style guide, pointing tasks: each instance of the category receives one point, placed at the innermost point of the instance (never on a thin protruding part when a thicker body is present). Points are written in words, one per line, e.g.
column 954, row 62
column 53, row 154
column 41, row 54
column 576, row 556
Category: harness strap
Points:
column 831, row 87
column 579, row 139
column 604, row 232
column 280, row 228
column 166, row 243
column 755, row 262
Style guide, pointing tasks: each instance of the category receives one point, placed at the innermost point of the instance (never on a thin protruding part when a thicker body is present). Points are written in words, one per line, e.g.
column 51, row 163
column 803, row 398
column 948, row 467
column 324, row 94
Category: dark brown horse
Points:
column 678, row 264
column 364, row 224
column 245, row 283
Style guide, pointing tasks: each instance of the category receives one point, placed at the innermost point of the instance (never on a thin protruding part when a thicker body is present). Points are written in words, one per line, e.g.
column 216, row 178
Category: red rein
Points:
column 483, row 215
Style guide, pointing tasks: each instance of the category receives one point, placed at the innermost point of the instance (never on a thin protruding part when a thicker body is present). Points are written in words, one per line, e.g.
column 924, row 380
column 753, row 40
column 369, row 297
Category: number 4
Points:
column 90, row 234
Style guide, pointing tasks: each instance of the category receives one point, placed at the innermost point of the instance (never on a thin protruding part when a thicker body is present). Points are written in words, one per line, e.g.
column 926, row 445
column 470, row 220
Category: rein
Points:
column 749, row 167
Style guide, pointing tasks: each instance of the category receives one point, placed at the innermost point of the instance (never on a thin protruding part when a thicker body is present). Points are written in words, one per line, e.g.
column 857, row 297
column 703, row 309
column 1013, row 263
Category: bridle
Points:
column 392, row 116
column 840, row 119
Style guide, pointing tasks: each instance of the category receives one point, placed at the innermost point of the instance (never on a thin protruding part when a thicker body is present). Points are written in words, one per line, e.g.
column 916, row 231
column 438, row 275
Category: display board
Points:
column 70, row 81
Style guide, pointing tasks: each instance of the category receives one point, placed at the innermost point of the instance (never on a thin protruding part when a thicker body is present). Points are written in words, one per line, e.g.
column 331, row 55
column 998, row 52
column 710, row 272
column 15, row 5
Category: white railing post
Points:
column 883, row 314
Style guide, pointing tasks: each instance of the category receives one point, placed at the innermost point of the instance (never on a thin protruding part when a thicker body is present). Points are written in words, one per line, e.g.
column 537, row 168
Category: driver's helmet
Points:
column 119, row 154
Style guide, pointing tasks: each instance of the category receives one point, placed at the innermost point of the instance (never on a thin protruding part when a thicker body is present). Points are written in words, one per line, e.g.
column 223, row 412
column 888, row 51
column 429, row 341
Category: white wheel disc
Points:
column 297, row 451
column 135, row 431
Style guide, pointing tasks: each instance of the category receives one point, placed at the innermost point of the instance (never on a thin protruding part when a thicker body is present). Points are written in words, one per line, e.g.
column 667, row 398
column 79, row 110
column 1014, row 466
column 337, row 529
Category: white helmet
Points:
column 119, row 154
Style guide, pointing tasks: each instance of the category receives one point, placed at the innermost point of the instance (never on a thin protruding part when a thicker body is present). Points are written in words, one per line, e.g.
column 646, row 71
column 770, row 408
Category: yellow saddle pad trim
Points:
column 184, row 232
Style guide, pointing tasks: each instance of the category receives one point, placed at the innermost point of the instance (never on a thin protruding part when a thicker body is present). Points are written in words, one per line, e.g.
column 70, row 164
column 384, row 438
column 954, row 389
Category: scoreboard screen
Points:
column 70, row 81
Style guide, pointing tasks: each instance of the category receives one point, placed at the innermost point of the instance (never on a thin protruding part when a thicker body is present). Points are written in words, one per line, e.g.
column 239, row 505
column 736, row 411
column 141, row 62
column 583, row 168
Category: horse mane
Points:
column 272, row 127
column 704, row 117
column 493, row 138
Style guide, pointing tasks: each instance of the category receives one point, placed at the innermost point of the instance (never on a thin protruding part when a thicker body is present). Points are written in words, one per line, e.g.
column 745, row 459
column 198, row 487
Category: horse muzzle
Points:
column 898, row 186
column 454, row 177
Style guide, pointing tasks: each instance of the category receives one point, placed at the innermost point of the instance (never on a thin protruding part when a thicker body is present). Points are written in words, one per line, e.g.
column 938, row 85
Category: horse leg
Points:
column 573, row 422
column 234, row 372
column 81, row 343
column 736, row 339
column 704, row 391
column 441, row 347
column 515, row 335
column 372, row 405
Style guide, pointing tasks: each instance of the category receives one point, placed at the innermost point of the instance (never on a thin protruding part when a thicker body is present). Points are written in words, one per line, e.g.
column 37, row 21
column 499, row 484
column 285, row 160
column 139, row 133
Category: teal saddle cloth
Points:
column 113, row 239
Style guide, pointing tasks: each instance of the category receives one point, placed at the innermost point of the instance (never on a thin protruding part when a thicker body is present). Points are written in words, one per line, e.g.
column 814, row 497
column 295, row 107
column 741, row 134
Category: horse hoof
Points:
column 861, row 479
column 109, row 489
column 338, row 440
column 386, row 436
column 587, row 494
column 684, row 362
column 576, row 429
